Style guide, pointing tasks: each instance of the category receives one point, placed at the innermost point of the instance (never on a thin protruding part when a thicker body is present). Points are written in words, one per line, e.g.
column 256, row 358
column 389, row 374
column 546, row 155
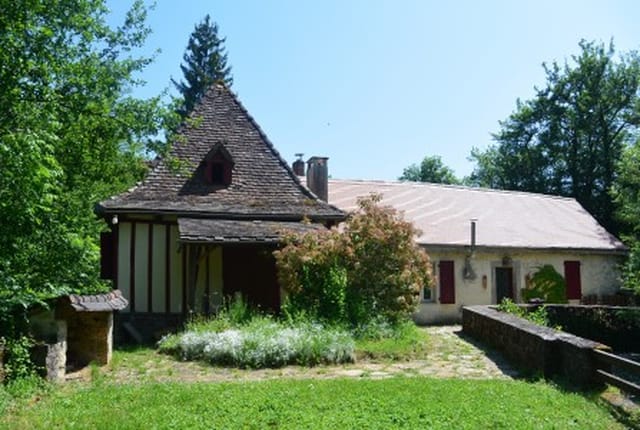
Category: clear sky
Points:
column 377, row 85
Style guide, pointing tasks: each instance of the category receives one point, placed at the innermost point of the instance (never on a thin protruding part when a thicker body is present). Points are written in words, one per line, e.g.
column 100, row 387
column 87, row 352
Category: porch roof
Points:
column 198, row 230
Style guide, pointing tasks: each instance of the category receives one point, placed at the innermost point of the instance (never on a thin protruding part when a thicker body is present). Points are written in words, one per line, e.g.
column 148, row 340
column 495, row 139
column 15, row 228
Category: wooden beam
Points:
column 619, row 382
column 167, row 269
column 616, row 360
column 150, row 268
column 132, row 267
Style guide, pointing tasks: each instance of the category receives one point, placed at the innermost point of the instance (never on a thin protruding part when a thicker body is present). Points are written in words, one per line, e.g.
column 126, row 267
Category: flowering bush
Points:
column 370, row 269
column 264, row 343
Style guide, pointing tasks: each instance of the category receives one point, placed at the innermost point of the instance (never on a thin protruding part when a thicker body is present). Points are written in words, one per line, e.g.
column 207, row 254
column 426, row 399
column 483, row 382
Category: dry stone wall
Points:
column 533, row 347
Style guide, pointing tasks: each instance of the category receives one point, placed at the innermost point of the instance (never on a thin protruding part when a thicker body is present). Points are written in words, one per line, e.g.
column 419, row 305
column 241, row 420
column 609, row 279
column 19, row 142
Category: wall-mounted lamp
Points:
column 484, row 281
column 114, row 220
column 506, row 261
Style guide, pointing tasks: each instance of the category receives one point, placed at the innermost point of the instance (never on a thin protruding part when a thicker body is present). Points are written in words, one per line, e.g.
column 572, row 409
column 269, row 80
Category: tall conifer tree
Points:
column 205, row 63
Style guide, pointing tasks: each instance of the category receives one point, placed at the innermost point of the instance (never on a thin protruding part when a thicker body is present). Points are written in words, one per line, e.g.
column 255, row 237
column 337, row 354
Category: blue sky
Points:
column 377, row 85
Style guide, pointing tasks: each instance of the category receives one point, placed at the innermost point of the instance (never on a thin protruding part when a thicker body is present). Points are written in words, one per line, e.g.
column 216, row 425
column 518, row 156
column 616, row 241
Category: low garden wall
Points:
column 615, row 326
column 533, row 347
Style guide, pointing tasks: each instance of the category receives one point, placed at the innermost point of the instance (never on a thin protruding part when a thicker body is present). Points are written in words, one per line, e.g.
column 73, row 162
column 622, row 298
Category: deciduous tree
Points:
column 431, row 169
column 568, row 139
column 70, row 135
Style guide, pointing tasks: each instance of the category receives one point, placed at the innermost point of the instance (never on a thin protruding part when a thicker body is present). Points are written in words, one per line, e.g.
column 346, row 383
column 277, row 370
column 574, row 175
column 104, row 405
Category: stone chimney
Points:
column 318, row 177
column 298, row 165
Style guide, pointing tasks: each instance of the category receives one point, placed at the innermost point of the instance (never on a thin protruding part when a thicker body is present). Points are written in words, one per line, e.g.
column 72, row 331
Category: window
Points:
column 447, row 282
column 217, row 173
column 573, row 280
column 218, row 166
column 428, row 293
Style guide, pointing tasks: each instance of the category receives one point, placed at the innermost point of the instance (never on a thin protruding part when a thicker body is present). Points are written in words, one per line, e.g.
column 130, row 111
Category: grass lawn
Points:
column 417, row 402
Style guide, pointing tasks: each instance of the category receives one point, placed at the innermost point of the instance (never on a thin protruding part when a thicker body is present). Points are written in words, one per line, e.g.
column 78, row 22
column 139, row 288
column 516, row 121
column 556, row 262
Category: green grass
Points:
column 407, row 343
column 291, row 404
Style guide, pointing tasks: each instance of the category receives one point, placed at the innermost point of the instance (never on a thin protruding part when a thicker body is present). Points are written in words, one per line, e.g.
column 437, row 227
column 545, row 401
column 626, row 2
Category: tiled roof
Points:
column 234, row 231
column 112, row 301
column 262, row 187
column 504, row 218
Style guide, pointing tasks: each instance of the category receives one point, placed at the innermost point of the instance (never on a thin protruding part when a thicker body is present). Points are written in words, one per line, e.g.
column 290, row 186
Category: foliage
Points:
column 371, row 268
column 17, row 363
column 546, row 284
column 70, row 135
column 626, row 192
column 538, row 316
column 431, row 169
column 631, row 267
column 264, row 342
column 416, row 402
column 205, row 63
column 568, row 139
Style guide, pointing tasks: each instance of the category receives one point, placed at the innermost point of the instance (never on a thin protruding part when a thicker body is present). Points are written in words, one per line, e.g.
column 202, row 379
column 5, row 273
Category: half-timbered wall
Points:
column 150, row 267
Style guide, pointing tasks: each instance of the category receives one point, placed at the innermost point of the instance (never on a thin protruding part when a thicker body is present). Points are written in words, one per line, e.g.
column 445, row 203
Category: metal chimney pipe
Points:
column 473, row 234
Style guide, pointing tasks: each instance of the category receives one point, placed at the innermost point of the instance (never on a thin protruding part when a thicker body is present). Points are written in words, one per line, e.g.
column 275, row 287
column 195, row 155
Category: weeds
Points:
column 538, row 316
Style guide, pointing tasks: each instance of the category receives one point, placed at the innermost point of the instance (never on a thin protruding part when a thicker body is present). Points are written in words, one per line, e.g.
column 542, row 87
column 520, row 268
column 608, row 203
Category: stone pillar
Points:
column 52, row 357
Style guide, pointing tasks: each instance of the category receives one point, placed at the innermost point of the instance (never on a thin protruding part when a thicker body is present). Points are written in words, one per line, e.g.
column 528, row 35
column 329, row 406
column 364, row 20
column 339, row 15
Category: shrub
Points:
column 546, row 284
column 538, row 316
column 17, row 360
column 264, row 343
column 371, row 268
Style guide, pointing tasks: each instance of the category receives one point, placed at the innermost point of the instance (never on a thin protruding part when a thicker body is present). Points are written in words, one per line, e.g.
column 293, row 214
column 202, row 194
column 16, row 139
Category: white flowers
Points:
column 265, row 343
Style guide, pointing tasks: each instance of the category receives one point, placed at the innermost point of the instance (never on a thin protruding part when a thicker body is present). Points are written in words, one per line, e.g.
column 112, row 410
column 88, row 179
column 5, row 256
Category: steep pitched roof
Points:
column 505, row 219
column 262, row 187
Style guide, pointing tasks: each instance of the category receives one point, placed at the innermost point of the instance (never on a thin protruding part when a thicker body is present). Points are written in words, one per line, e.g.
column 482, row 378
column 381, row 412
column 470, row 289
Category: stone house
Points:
column 486, row 244
column 204, row 222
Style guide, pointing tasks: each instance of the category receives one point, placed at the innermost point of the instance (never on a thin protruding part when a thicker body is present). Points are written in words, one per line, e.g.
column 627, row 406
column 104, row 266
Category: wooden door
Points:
column 504, row 283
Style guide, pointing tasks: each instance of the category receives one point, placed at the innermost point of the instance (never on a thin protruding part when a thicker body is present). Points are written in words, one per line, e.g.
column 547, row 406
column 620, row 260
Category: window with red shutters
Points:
column 573, row 280
column 447, row 282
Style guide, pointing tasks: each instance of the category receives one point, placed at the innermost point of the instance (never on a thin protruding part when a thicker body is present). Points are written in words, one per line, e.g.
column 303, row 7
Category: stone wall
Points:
column 89, row 335
column 615, row 326
column 50, row 355
column 536, row 348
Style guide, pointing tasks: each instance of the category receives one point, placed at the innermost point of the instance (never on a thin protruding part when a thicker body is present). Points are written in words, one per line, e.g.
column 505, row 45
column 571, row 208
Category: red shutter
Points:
column 106, row 255
column 447, row 282
column 572, row 278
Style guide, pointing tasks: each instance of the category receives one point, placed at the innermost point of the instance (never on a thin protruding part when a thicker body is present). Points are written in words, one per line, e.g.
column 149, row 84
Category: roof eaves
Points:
column 444, row 247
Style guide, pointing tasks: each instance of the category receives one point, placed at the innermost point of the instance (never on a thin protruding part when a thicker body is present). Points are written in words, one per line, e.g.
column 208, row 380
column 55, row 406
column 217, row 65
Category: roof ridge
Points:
column 273, row 149
column 453, row 186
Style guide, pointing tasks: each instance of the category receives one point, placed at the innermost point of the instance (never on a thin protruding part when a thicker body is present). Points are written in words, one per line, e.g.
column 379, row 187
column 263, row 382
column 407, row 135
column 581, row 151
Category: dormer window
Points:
column 218, row 166
column 217, row 173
